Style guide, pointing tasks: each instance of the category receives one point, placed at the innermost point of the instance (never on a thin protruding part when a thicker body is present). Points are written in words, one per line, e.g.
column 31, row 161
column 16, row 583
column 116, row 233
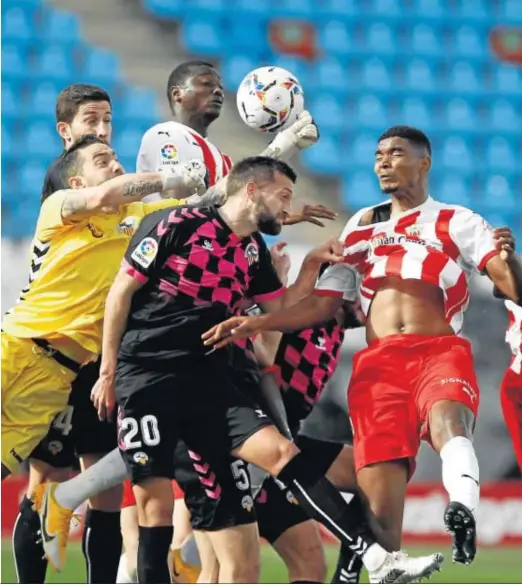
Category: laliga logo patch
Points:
column 252, row 254
column 169, row 152
column 145, row 252
column 128, row 226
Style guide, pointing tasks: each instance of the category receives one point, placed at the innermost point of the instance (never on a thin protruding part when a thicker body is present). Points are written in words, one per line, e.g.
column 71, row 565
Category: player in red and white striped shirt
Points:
column 416, row 378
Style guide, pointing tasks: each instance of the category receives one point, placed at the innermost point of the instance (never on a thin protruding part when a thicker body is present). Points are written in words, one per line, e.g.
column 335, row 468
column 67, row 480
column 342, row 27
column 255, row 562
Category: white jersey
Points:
column 514, row 335
column 434, row 242
column 170, row 143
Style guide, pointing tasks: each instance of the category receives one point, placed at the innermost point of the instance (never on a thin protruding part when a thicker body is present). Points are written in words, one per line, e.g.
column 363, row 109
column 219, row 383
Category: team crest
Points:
column 413, row 231
column 252, row 254
column 247, row 503
column 128, row 226
column 55, row 447
column 140, row 458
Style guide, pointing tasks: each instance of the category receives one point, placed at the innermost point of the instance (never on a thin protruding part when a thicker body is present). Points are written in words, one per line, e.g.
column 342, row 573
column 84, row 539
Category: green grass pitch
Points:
column 491, row 566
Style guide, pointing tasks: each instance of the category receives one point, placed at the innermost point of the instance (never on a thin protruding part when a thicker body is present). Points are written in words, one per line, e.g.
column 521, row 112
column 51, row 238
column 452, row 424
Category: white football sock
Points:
column 190, row 552
column 108, row 472
column 123, row 576
column 374, row 557
column 460, row 472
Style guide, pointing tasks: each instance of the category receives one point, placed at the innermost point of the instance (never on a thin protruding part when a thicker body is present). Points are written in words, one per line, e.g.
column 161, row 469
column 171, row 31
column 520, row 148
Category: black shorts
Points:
column 216, row 498
column 77, row 430
column 276, row 507
column 200, row 407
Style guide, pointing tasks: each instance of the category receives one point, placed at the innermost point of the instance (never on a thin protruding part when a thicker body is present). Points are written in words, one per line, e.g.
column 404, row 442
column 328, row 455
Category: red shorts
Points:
column 395, row 382
column 128, row 499
column 511, row 401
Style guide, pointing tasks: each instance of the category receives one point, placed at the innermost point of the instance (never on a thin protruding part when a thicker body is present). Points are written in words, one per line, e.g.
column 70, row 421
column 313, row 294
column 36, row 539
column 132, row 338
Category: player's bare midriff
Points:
column 71, row 349
column 406, row 306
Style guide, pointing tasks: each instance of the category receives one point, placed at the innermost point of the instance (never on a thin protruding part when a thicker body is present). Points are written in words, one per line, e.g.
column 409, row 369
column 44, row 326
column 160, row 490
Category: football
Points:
column 270, row 99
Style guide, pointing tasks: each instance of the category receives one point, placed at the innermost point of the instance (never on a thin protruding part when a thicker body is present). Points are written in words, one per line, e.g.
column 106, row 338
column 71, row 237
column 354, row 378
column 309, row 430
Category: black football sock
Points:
column 349, row 567
column 153, row 551
column 324, row 503
column 101, row 546
column 29, row 558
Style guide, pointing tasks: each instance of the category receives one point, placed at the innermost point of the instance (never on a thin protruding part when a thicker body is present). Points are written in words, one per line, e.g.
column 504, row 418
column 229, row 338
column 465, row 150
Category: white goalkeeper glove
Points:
column 186, row 178
column 302, row 134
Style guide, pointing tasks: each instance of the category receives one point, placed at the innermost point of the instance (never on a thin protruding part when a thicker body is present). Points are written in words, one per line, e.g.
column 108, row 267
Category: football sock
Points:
column 124, row 576
column 349, row 567
column 324, row 503
column 153, row 551
column 190, row 552
column 101, row 546
column 29, row 558
column 106, row 473
column 460, row 472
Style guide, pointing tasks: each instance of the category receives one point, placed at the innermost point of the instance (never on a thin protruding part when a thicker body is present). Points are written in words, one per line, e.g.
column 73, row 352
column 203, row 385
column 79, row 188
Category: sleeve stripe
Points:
column 488, row 256
column 328, row 293
column 134, row 273
column 268, row 296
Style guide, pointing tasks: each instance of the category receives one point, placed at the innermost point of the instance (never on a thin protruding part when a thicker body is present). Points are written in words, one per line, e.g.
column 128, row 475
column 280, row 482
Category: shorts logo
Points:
column 466, row 386
column 140, row 458
column 55, row 447
column 128, row 226
column 96, row 232
column 291, row 498
column 169, row 153
column 16, row 456
column 321, row 343
column 145, row 252
column 260, row 414
column 252, row 254
column 247, row 503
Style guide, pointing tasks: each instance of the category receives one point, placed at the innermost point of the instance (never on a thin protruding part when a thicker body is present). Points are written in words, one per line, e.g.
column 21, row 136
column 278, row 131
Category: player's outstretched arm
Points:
column 505, row 269
column 117, row 308
column 311, row 311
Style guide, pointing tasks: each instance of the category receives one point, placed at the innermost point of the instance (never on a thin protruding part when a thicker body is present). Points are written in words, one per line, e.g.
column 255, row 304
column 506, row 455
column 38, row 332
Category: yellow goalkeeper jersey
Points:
column 72, row 268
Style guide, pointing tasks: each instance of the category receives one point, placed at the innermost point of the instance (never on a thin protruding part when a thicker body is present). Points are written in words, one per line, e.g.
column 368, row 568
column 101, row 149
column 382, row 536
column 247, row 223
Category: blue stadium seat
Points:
column 497, row 217
column 326, row 156
column 500, row 155
column 328, row 113
column 429, row 9
column 7, row 137
column 27, row 5
column 380, row 40
column 14, row 62
column 468, row 42
column 17, row 25
column 361, row 190
column 127, row 144
column 100, row 66
column 297, row 67
column 166, row 8
column 55, row 63
column 258, row 9
column 212, row 6
column 42, row 100
column 251, row 38
column 234, row 69
column 361, row 150
column 301, row 9
column 456, row 154
column 504, row 117
column 477, row 11
column 375, row 75
column 42, row 140
column 425, row 41
column 63, row 27
column 419, row 76
column 499, row 195
column 464, row 78
column 139, row 105
column 460, row 115
column 203, row 37
column 335, row 38
column 415, row 112
column 328, row 9
column 330, row 75
column 388, row 9
column 11, row 99
column 509, row 12
column 32, row 173
column 370, row 112
column 453, row 189
column 23, row 222
column 508, row 79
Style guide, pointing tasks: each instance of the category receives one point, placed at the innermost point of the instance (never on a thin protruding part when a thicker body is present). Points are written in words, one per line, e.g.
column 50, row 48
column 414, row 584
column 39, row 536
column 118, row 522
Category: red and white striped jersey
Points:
column 514, row 335
column 434, row 242
column 171, row 143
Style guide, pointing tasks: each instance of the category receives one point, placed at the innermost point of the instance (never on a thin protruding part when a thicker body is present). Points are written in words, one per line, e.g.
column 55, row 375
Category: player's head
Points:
column 402, row 159
column 83, row 109
column 195, row 88
column 90, row 161
column 266, row 186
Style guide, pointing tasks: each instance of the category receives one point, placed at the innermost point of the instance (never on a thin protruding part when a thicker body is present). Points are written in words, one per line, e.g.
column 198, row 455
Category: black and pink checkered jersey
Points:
column 306, row 360
column 195, row 272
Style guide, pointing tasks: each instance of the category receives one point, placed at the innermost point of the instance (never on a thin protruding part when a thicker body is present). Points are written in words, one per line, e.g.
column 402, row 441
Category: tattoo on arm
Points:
column 140, row 187
column 212, row 196
column 74, row 203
